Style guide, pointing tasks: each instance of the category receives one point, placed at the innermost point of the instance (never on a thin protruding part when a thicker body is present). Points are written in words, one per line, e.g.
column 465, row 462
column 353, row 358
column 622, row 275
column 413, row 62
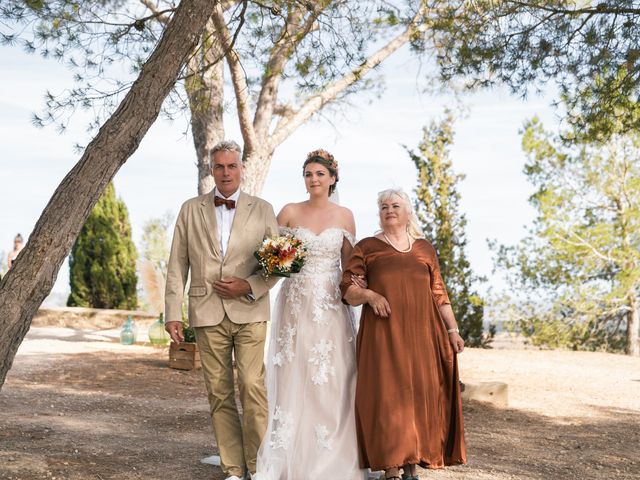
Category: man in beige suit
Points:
column 214, row 239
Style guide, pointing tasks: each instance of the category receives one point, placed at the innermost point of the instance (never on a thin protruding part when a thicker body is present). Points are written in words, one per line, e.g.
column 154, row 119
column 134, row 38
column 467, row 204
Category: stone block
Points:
column 495, row 393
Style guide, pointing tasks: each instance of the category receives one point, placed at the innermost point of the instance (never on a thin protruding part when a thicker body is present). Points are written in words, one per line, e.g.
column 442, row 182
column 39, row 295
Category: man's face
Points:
column 226, row 168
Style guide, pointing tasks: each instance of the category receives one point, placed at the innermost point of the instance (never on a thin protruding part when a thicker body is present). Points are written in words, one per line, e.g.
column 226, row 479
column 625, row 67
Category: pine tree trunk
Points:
column 34, row 272
column 633, row 327
column 205, row 89
column 256, row 168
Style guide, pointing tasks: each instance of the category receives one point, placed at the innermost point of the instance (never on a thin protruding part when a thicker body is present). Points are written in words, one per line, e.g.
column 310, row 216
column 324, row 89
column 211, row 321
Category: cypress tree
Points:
column 103, row 259
column 438, row 209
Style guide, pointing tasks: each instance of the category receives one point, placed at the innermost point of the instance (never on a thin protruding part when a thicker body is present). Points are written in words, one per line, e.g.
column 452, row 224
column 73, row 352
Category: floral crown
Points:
column 323, row 154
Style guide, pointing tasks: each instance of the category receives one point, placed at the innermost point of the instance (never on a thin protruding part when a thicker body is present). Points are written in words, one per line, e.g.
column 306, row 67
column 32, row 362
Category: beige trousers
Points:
column 238, row 440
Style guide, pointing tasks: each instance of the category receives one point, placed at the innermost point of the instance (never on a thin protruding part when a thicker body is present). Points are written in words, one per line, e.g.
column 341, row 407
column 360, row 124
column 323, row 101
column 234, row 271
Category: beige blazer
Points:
column 196, row 249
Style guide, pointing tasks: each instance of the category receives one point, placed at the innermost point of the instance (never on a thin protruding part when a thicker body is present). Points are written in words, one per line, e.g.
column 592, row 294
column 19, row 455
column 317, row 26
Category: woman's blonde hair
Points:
column 413, row 227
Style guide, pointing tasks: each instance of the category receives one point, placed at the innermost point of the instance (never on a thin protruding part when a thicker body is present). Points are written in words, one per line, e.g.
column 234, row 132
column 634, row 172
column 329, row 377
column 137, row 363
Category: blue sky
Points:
column 366, row 139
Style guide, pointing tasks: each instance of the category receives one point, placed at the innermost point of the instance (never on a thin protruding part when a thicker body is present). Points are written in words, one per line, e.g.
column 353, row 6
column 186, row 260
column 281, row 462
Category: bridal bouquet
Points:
column 281, row 256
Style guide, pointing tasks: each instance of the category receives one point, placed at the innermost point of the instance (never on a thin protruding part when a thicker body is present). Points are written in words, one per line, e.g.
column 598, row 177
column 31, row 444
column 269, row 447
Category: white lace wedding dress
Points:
column 311, row 371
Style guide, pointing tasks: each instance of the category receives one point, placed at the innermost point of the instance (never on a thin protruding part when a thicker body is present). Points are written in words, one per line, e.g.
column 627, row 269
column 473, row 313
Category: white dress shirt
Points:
column 224, row 217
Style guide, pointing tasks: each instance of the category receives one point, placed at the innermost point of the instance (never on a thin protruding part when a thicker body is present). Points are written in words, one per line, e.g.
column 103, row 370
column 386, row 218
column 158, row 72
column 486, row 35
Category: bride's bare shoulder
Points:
column 288, row 212
column 344, row 211
column 346, row 219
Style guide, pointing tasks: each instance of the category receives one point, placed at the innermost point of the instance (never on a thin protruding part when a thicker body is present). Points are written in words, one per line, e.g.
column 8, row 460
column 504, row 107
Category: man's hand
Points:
column 174, row 329
column 232, row 287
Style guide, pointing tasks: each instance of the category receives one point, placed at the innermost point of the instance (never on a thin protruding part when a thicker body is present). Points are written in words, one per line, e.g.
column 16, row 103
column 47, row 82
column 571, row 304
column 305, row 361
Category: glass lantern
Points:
column 128, row 332
column 157, row 334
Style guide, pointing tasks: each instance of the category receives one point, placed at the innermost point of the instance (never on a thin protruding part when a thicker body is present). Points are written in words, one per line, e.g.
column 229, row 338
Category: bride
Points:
column 311, row 370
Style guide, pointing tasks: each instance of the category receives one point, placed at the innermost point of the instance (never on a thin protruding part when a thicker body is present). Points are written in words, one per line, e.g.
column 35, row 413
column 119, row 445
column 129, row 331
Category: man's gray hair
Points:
column 226, row 146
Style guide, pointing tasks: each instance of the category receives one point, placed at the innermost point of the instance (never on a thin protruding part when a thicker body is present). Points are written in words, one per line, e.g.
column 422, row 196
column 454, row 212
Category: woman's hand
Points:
column 457, row 343
column 379, row 304
column 359, row 281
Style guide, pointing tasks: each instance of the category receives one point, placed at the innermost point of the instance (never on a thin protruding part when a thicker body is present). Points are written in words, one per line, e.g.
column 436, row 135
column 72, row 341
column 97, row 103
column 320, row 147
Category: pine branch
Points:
column 238, row 77
column 287, row 125
column 159, row 15
column 290, row 37
column 601, row 8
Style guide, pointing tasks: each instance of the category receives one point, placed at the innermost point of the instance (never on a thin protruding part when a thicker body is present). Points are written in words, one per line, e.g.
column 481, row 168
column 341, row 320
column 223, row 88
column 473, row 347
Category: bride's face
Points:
column 318, row 179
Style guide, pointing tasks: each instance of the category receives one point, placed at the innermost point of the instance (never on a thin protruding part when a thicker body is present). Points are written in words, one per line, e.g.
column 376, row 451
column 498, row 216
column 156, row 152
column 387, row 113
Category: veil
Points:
column 335, row 196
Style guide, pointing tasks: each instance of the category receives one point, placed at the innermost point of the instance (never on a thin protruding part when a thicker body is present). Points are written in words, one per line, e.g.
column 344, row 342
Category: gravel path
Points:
column 76, row 405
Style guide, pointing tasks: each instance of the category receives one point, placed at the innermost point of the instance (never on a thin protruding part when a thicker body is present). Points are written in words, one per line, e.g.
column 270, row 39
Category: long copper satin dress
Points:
column 408, row 408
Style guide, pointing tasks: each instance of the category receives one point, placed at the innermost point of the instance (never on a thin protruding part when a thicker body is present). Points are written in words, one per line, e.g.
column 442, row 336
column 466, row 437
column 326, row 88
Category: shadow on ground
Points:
column 507, row 443
column 104, row 416
column 109, row 415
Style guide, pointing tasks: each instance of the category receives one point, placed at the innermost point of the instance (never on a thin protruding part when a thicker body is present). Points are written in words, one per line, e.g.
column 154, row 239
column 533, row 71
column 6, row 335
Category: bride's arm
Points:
column 347, row 245
column 348, row 241
column 345, row 253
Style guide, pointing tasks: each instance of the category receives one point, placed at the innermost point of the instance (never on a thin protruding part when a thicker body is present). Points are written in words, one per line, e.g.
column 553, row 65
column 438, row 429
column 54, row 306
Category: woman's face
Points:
column 393, row 213
column 317, row 179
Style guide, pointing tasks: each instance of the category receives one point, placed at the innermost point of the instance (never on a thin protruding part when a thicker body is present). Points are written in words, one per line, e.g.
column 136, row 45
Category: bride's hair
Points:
column 325, row 159
column 413, row 227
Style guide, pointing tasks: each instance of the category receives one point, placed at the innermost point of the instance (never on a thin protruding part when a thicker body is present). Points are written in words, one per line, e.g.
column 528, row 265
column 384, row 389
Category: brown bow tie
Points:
column 219, row 201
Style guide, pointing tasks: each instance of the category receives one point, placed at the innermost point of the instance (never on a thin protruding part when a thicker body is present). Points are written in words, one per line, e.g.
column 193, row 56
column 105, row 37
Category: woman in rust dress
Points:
column 408, row 409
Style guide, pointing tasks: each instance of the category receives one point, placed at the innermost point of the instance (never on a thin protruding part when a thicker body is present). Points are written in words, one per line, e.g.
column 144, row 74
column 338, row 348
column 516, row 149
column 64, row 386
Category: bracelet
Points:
column 451, row 330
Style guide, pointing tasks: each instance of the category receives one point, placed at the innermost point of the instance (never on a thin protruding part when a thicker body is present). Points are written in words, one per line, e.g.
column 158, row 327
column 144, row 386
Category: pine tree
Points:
column 438, row 210
column 590, row 50
column 103, row 258
column 581, row 259
column 24, row 288
column 285, row 67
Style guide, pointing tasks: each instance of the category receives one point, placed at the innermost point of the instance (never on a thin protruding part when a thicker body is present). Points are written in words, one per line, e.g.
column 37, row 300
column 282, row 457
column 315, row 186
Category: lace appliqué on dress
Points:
column 283, row 433
column 293, row 289
column 285, row 341
column 322, row 359
column 323, row 301
column 309, row 368
column 322, row 437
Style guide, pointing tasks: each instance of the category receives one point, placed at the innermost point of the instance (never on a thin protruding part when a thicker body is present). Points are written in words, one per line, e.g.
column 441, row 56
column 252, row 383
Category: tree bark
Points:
column 205, row 89
column 633, row 327
column 256, row 169
column 34, row 272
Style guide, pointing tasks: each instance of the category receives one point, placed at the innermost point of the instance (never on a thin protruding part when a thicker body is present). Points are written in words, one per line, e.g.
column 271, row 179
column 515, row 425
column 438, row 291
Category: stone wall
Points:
column 88, row 318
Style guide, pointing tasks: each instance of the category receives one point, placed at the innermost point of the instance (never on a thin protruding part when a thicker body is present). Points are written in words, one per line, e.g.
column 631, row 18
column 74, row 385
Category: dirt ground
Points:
column 78, row 406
